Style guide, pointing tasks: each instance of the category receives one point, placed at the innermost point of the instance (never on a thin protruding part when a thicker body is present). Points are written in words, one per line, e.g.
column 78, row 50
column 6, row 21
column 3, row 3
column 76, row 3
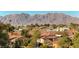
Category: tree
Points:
column 73, row 26
column 61, row 25
column 4, row 39
column 21, row 43
column 24, row 33
column 44, row 46
column 10, row 28
column 76, row 40
column 36, row 35
column 36, row 25
column 26, row 42
column 30, row 27
column 65, row 42
column 18, row 44
column 3, row 27
column 54, row 26
column 46, row 25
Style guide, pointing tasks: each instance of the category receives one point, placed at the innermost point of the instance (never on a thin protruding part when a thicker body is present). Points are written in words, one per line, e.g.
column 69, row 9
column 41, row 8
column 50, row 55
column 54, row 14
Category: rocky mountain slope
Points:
column 50, row 18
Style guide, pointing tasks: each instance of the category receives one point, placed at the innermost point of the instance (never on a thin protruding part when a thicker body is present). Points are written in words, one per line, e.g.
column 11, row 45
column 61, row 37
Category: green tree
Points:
column 65, row 42
column 18, row 43
column 37, row 25
column 73, row 26
column 10, row 28
column 47, row 25
column 21, row 43
column 54, row 26
column 61, row 25
column 26, row 42
column 24, row 33
column 44, row 46
column 4, row 39
column 76, row 40
column 36, row 35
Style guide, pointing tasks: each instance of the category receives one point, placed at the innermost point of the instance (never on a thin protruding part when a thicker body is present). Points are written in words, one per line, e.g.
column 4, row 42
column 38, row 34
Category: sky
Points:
column 72, row 13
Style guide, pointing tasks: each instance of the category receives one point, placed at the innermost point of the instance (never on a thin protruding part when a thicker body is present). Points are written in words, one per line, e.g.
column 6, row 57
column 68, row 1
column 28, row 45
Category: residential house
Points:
column 49, row 38
column 14, row 35
column 61, row 29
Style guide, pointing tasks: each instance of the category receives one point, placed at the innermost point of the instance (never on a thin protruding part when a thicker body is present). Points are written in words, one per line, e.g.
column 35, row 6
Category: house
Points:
column 47, row 33
column 70, row 33
column 41, row 40
column 61, row 29
column 18, row 30
column 51, row 38
column 13, row 40
column 13, row 36
column 58, row 35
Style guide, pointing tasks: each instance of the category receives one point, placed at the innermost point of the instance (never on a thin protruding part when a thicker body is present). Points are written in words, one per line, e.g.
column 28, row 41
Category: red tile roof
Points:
column 14, row 35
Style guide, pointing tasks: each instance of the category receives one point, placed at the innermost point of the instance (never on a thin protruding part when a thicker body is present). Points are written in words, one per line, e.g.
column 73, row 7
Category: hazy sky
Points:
column 72, row 13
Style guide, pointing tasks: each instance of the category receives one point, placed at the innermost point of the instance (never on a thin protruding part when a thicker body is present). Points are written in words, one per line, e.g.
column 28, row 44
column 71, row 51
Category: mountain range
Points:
column 50, row 18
